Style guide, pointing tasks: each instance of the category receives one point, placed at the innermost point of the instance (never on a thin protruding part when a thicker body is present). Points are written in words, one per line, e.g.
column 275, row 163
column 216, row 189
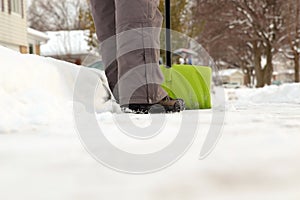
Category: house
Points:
column 232, row 76
column 13, row 25
column 71, row 46
column 14, row 33
column 284, row 71
column 35, row 39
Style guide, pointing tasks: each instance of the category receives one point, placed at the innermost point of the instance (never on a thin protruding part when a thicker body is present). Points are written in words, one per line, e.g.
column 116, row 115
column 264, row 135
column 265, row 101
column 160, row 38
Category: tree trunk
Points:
column 259, row 73
column 247, row 79
column 296, row 62
column 268, row 71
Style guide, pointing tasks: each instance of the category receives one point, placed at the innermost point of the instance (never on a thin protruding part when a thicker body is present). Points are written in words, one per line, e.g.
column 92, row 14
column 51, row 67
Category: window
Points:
column 16, row 6
column 2, row 5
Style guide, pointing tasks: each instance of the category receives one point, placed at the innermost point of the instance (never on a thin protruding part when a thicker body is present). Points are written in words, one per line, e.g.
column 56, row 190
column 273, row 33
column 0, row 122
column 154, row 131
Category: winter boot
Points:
column 166, row 105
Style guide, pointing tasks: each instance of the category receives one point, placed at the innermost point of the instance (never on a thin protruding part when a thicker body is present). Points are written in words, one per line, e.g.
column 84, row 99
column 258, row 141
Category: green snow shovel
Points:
column 188, row 82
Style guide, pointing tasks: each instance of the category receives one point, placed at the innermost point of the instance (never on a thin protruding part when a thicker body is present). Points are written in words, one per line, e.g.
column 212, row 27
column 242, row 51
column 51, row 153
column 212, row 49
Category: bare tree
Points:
column 53, row 15
column 246, row 31
column 225, row 43
column 292, row 36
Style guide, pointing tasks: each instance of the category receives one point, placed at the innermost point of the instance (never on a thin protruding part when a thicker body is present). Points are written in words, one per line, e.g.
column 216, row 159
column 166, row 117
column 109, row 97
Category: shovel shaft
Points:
column 168, row 33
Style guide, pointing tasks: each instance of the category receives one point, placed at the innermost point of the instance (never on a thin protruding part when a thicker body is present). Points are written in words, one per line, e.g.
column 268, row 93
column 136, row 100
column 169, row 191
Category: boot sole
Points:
column 157, row 108
column 177, row 107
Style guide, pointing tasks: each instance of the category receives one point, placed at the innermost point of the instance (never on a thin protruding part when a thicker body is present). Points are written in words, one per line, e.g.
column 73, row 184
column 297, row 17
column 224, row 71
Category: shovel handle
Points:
column 168, row 34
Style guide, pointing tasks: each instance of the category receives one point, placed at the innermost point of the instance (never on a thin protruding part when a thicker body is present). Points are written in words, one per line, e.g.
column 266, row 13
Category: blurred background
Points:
column 253, row 43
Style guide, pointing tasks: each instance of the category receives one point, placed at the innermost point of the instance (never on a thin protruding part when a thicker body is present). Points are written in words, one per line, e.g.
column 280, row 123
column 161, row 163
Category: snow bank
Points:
column 35, row 91
column 287, row 93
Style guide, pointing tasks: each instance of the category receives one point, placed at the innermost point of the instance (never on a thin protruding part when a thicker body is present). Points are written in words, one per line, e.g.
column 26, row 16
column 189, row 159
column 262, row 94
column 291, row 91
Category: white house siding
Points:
column 10, row 46
column 13, row 28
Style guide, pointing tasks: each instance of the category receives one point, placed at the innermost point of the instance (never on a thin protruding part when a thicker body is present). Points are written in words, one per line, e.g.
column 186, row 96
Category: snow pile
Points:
column 287, row 93
column 37, row 91
column 34, row 91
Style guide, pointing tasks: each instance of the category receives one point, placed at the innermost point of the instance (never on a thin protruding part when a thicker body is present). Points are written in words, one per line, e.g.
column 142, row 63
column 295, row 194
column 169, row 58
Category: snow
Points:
column 66, row 43
column 38, row 34
column 263, row 62
column 35, row 91
column 284, row 94
column 229, row 72
column 42, row 157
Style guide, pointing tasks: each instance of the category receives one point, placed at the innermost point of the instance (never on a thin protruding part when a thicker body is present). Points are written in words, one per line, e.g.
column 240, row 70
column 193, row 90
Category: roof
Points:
column 66, row 43
column 230, row 72
column 37, row 34
column 286, row 71
column 185, row 51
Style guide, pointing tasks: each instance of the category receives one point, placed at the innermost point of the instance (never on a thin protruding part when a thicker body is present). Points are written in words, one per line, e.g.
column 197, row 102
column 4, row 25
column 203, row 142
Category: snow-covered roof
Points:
column 286, row 71
column 229, row 72
column 186, row 51
column 66, row 43
column 37, row 34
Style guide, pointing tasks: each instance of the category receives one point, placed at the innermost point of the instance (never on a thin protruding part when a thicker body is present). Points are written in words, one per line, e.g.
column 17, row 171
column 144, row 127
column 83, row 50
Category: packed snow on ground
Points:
column 42, row 157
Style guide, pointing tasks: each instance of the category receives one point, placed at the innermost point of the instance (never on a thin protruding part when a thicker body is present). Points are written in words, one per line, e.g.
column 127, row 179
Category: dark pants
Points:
column 129, row 35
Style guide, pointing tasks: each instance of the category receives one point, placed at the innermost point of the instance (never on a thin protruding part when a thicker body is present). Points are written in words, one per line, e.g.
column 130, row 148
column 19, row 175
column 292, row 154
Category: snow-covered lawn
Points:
column 41, row 156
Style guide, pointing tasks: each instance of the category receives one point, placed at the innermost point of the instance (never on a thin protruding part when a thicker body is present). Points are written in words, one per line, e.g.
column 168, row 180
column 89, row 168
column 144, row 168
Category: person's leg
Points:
column 104, row 18
column 140, row 76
